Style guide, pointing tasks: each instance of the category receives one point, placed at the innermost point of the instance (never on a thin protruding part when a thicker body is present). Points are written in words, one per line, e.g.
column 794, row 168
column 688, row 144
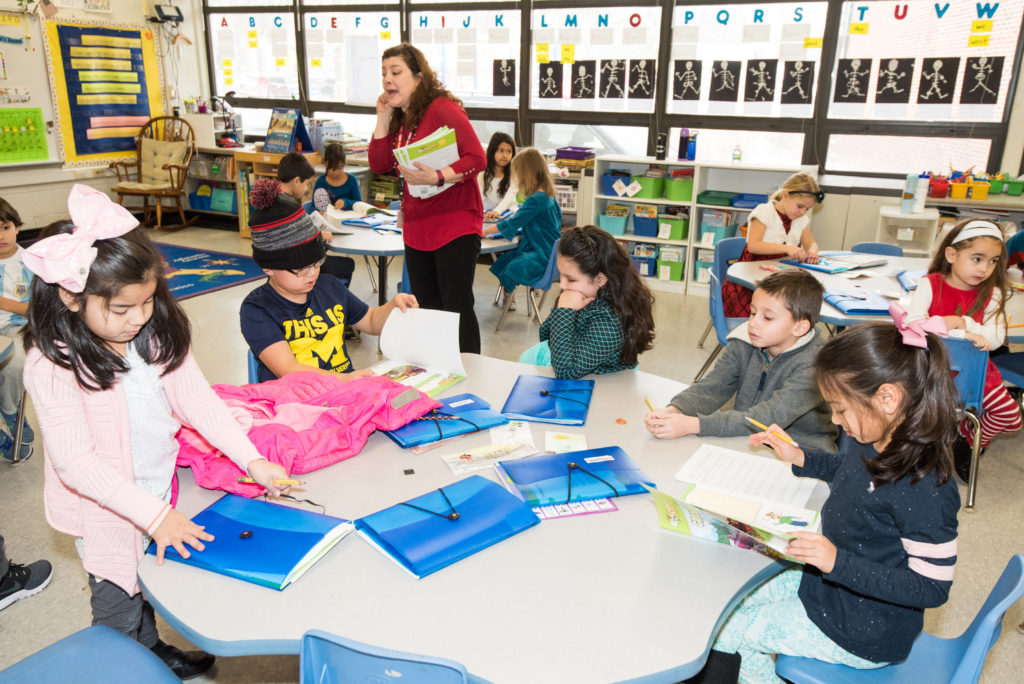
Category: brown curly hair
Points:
column 427, row 90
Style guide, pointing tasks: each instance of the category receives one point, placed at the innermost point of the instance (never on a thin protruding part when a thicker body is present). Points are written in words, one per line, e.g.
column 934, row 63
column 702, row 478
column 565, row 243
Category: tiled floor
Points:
column 987, row 537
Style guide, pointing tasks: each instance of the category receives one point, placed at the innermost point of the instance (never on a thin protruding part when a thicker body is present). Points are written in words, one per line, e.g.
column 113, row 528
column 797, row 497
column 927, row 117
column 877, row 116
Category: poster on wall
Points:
column 852, row 80
column 641, row 78
column 938, row 78
column 613, row 73
column 550, row 82
column 895, row 77
column 504, row 77
column 760, row 80
column 686, row 80
column 584, row 83
column 982, row 78
column 797, row 82
column 725, row 80
column 22, row 135
column 106, row 84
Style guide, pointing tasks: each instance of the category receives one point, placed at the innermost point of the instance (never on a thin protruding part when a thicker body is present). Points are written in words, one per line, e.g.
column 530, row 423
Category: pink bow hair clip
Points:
column 914, row 332
column 65, row 259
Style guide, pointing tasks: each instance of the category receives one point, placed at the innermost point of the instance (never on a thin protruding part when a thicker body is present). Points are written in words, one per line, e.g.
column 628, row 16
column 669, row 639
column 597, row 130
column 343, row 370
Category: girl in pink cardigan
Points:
column 112, row 378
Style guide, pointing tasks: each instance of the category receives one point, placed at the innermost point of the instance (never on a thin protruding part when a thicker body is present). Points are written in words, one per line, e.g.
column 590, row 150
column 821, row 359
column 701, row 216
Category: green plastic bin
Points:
column 670, row 270
column 650, row 188
column 718, row 198
column 672, row 228
column 679, row 189
column 1014, row 187
column 995, row 186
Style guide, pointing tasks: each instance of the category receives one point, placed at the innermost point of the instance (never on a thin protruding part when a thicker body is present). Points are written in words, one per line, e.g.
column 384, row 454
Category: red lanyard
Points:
column 404, row 138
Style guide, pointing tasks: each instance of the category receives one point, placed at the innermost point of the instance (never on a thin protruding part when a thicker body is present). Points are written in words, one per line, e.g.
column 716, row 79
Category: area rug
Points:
column 192, row 272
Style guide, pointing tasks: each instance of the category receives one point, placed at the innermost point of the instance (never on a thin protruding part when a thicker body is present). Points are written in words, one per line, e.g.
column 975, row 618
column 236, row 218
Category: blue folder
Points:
column 445, row 525
column 909, row 279
column 859, row 303
column 574, row 476
column 549, row 400
column 375, row 221
column 837, row 262
column 261, row 542
column 458, row 415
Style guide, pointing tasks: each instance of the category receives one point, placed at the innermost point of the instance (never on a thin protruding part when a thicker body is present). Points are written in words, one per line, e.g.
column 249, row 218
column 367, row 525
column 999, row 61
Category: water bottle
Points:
column 659, row 148
column 737, row 155
column 691, row 147
column 684, row 141
column 909, row 188
column 921, row 194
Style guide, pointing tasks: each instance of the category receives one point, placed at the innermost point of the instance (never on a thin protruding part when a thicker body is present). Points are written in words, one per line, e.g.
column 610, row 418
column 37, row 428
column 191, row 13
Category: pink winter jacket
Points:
column 303, row 421
column 89, row 489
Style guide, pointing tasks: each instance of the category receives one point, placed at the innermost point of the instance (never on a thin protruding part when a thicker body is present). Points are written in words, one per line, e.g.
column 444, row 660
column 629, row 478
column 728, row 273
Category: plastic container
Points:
column 224, row 199
column 719, row 198
column 679, row 189
column 197, row 201
column 702, row 271
column 614, row 225
column 672, row 227
column 650, row 188
column 909, row 188
column 720, row 233
column 608, row 182
column 938, row 186
column 921, row 192
column 577, row 153
column 995, row 186
column 958, row 190
column 670, row 270
column 748, row 200
column 1014, row 187
column 979, row 190
column 646, row 227
column 645, row 266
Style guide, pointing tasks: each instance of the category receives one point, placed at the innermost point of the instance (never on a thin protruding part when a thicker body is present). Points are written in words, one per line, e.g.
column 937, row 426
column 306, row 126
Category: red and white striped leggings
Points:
column 999, row 413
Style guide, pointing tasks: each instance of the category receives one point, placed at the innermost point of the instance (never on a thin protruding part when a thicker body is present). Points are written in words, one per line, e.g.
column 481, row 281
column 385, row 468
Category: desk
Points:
column 749, row 273
column 384, row 245
column 605, row 597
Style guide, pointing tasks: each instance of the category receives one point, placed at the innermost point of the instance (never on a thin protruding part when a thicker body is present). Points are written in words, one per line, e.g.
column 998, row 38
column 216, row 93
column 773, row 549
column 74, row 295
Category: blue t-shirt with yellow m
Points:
column 314, row 330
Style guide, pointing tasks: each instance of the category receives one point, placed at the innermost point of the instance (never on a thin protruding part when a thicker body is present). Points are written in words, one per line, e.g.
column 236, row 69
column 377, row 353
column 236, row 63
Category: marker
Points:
column 286, row 482
column 764, row 427
column 649, row 404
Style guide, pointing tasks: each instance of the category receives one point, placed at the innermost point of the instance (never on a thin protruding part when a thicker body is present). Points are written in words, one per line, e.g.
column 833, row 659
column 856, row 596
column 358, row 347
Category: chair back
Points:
column 880, row 248
column 727, row 251
column 253, row 367
column 988, row 623
column 968, row 364
column 165, row 140
column 723, row 325
column 551, row 272
column 329, row 659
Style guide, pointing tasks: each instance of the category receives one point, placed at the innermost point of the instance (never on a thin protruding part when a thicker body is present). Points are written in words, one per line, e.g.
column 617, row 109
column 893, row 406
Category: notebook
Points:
column 859, row 303
column 261, row 542
column 573, row 476
column 457, row 415
column 549, row 400
column 445, row 525
column 836, row 262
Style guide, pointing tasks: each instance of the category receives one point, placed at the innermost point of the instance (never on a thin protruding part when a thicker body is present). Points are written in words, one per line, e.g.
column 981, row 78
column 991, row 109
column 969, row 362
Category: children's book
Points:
column 541, row 399
column 437, row 150
column 261, row 542
column 909, row 279
column 757, row 491
column 678, row 516
column 572, row 476
column 858, row 303
column 422, row 346
column 837, row 262
column 457, row 415
column 447, row 524
column 287, row 132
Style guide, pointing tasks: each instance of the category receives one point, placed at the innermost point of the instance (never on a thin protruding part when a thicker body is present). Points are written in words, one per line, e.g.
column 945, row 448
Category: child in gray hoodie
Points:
column 768, row 366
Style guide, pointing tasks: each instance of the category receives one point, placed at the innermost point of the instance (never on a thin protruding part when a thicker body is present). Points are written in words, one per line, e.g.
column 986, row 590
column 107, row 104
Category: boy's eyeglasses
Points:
column 306, row 270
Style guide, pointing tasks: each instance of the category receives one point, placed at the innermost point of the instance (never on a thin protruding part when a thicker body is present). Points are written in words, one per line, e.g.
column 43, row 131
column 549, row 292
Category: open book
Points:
column 837, row 262
column 422, row 346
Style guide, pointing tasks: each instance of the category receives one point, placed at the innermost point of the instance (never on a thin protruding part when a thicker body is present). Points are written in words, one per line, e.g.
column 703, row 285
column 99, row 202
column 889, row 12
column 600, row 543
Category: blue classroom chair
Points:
column 253, row 367
column 95, row 655
column 329, row 659
column 1011, row 367
column 969, row 364
column 879, row 248
column 543, row 284
column 932, row 659
column 726, row 251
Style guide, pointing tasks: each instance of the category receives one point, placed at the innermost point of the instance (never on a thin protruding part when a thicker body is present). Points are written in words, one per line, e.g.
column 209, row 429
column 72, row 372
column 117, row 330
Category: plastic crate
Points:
column 645, row 266
column 748, row 200
column 679, row 189
column 719, row 198
column 197, row 201
column 979, row 190
column 575, row 153
column 995, row 186
column 608, row 181
column 702, row 271
column 650, row 188
column 615, row 225
column 224, row 199
column 565, row 196
column 670, row 270
column 1014, row 187
column 716, row 217
column 672, row 228
column 718, row 233
column 646, row 227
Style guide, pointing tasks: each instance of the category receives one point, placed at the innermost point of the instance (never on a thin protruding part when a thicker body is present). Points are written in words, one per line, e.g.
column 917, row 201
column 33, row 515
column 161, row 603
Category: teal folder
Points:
column 549, row 400
column 445, row 525
column 458, row 415
column 573, row 476
column 261, row 542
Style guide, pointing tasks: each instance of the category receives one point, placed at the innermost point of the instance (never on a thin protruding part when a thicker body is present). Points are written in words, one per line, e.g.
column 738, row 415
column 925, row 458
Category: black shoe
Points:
column 22, row 581
column 183, row 665
column 962, row 458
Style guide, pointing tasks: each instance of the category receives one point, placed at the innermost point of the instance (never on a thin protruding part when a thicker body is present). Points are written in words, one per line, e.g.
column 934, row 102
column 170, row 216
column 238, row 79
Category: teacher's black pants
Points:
column 443, row 279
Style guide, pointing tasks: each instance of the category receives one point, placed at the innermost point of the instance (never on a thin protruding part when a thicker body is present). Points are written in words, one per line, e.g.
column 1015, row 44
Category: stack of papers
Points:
column 438, row 150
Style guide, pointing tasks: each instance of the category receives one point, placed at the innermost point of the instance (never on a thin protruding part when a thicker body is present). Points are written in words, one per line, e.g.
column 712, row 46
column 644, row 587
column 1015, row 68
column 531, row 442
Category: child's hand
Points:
column 265, row 472
column 571, row 299
column 340, row 204
column 176, row 530
column 670, row 423
column 356, row 374
column 326, row 235
column 491, row 214
column 404, row 301
column 813, row 549
column 980, row 341
column 783, row 449
column 954, row 322
column 812, row 255
column 491, row 229
column 796, row 252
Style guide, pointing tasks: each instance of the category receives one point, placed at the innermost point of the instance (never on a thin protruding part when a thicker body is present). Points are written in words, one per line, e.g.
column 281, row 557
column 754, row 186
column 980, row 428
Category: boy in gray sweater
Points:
column 768, row 366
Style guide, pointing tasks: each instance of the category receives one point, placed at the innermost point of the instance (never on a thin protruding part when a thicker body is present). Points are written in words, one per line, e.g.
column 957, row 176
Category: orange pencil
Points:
column 764, row 427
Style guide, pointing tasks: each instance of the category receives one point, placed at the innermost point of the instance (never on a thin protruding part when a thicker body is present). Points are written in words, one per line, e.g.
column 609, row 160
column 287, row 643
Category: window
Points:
column 760, row 148
column 343, row 54
column 905, row 154
column 254, row 55
column 547, row 137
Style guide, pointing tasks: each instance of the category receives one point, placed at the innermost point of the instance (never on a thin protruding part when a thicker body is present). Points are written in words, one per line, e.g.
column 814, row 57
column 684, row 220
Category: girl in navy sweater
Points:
column 887, row 546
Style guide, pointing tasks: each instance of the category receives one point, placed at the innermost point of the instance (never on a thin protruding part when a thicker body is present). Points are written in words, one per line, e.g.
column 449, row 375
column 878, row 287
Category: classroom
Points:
column 666, row 124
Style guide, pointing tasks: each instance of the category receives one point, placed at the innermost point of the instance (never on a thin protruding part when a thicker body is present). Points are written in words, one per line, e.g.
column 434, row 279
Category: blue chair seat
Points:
column 1011, row 367
column 96, row 654
column 330, row 659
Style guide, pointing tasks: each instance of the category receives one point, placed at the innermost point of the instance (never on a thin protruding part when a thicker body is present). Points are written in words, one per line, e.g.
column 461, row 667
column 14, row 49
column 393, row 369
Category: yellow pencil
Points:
column 649, row 404
column 289, row 483
column 781, row 436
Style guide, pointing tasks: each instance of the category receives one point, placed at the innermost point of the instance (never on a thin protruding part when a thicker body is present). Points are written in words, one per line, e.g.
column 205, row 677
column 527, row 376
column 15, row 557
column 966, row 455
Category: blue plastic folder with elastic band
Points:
column 261, row 542
column 458, row 415
column 859, row 303
column 445, row 525
column 541, row 399
column 573, row 476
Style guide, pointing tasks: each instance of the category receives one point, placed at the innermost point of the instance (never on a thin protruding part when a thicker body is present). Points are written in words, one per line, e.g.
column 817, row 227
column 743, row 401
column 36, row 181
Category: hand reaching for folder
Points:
column 266, row 473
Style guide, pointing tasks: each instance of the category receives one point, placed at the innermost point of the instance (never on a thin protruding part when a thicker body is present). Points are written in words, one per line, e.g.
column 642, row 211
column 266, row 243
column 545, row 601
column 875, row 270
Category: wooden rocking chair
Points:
column 165, row 147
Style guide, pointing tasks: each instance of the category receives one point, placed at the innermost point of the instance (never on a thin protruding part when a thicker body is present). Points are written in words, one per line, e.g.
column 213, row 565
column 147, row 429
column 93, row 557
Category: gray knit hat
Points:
column 283, row 235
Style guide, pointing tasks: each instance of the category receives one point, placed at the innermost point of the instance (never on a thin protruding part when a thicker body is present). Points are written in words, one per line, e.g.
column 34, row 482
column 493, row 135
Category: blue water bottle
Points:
column 909, row 188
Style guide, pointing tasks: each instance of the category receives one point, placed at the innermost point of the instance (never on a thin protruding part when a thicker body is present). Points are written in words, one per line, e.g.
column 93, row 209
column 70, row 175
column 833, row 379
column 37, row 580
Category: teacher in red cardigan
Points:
column 442, row 232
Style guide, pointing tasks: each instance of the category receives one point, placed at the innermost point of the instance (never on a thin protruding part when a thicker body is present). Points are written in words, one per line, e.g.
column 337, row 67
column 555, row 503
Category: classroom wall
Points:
column 39, row 192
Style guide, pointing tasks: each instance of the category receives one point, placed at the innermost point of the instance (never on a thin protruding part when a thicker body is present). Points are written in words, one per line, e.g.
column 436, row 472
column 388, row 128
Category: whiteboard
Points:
column 26, row 70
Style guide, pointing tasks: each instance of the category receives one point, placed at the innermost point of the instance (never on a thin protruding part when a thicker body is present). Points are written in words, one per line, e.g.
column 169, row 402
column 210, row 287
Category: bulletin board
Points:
column 106, row 82
column 26, row 111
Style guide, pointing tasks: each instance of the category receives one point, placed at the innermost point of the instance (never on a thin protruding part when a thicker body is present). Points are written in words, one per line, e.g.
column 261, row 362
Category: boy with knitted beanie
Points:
column 295, row 321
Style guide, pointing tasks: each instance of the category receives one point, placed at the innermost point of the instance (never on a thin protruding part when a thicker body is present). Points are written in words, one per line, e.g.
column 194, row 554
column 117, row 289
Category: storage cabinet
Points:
column 210, row 184
column 915, row 233
column 251, row 165
column 686, row 241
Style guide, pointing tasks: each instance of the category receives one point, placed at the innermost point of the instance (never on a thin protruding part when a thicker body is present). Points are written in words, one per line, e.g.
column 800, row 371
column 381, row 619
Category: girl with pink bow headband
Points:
column 112, row 378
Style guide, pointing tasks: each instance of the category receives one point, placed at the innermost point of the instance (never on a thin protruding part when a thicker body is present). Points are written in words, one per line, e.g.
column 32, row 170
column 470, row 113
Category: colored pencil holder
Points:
column 958, row 190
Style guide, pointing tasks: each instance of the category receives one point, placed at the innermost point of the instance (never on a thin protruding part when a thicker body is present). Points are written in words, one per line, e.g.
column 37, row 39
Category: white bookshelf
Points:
column 726, row 177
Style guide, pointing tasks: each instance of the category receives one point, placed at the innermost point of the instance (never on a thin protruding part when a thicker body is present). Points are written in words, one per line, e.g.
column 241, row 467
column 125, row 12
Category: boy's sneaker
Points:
column 6, row 444
column 22, row 581
column 184, row 664
column 27, row 435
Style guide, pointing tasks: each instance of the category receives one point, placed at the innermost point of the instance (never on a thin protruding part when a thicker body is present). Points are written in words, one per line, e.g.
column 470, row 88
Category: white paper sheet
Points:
column 746, row 475
column 424, row 337
column 363, row 70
